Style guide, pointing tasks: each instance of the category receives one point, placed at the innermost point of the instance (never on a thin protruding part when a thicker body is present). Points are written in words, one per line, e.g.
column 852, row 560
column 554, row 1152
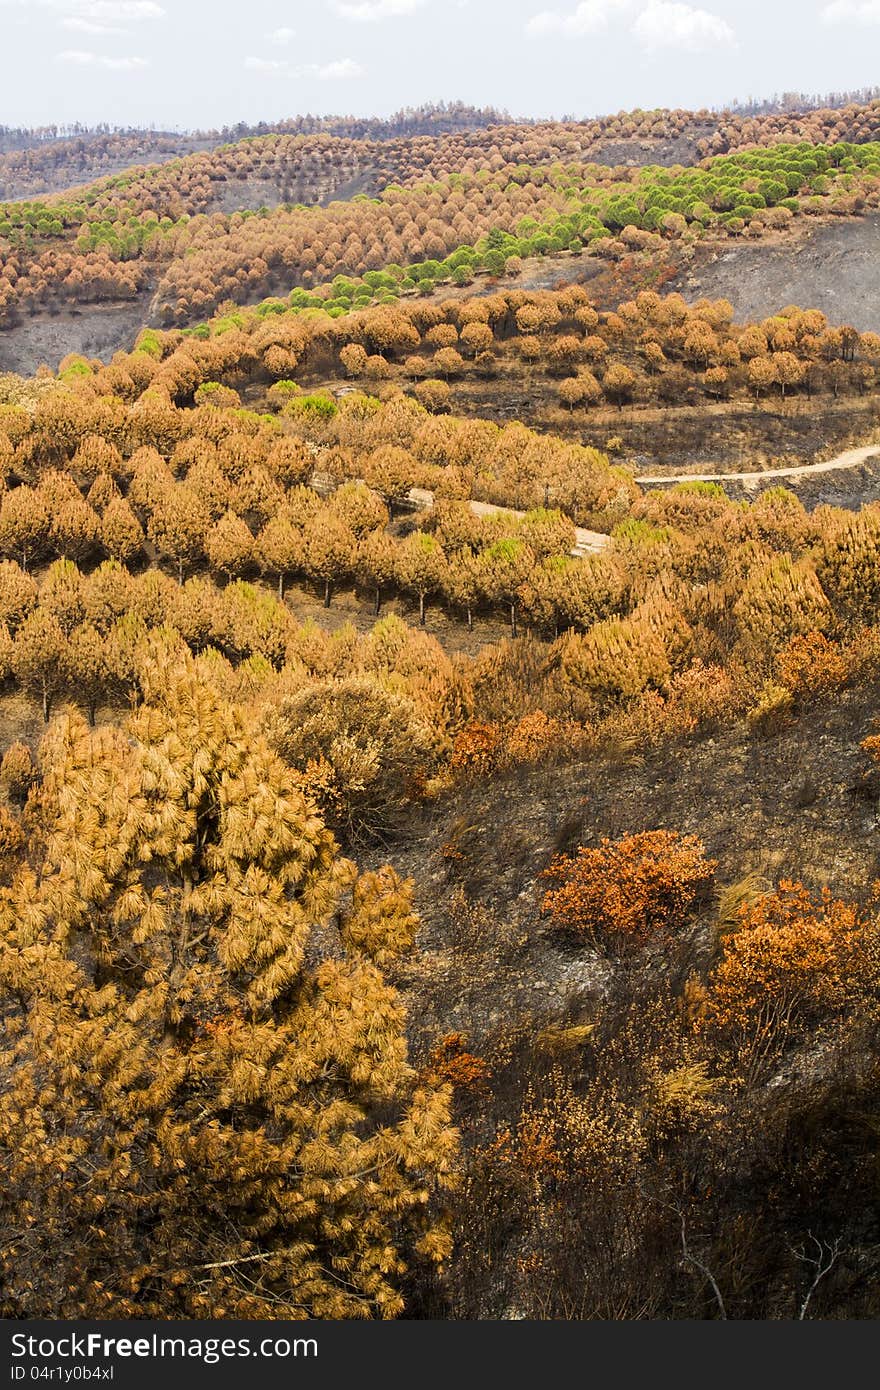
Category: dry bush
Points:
column 373, row 748
column 538, row 738
column 773, row 709
column 786, row 963
column 476, row 749
column 625, row 893
column 17, row 773
column 810, row 665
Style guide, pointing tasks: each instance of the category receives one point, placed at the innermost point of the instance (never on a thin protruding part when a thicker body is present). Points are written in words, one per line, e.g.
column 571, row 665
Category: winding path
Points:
column 850, row 458
column 586, row 542
column 592, row 542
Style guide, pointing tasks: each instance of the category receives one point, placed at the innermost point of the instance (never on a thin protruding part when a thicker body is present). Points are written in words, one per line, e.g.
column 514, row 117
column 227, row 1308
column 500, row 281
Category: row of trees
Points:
column 854, row 122
column 694, row 583
column 653, row 347
column 88, row 434
column 53, row 159
column 657, row 347
column 691, row 580
column 413, row 238
column 470, row 141
column 531, row 212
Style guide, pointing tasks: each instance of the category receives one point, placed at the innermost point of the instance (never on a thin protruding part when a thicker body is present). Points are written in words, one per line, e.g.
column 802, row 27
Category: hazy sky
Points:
column 205, row 63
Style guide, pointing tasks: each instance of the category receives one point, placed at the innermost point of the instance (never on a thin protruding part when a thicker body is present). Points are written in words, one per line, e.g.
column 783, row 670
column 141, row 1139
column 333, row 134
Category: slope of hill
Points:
column 439, row 843
column 153, row 230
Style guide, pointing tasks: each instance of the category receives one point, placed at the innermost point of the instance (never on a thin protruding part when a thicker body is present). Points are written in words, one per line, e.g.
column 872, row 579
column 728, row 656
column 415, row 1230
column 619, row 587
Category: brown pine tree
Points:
column 279, row 547
column 40, row 658
column 229, row 546
column 122, row 535
column 329, row 551
column 177, row 527
column 204, row 1107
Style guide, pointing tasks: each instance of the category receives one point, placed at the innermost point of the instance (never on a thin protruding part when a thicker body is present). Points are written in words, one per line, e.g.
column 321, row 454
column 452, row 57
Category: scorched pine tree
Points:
column 207, row 1108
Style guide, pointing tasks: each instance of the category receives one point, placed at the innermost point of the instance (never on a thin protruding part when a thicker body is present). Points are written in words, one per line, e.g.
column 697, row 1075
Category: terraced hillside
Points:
column 129, row 240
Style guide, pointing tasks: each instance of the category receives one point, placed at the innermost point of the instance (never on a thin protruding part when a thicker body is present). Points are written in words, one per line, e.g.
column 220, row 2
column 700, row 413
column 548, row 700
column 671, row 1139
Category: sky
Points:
column 203, row 64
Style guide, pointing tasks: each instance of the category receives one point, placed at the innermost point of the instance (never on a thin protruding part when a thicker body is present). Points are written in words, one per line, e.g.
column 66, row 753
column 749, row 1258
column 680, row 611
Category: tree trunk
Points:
column 328, row 586
column 378, row 603
column 47, row 704
column 421, row 610
column 92, row 711
column 513, row 620
column 470, row 620
column 280, row 588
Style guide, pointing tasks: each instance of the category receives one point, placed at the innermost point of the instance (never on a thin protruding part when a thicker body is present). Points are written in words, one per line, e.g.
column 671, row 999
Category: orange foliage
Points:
column 871, row 745
column 537, row 1150
column 811, row 665
column 626, row 892
column 787, row 961
column 476, row 748
column 449, row 1062
column 537, row 737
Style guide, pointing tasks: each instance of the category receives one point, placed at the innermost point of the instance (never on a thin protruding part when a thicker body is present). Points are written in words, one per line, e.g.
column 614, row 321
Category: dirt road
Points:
column 592, row 542
column 586, row 543
column 850, row 458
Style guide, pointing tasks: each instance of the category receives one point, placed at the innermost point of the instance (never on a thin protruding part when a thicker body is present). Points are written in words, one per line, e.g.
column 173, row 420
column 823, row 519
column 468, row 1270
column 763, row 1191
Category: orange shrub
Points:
column 787, row 962
column 476, row 748
column 628, row 891
column 871, row 745
column 810, row 664
column 449, row 1062
column 537, row 1150
column 699, row 695
column 536, row 736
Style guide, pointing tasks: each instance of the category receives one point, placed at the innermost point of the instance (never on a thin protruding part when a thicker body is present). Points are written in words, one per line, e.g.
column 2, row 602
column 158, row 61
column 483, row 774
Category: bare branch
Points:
column 698, row 1264
column 823, row 1262
column 687, row 1253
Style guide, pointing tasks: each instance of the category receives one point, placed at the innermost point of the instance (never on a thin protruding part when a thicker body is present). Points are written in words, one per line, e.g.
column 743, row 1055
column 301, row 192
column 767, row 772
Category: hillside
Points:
column 49, row 160
column 439, row 753
column 169, row 243
column 831, row 266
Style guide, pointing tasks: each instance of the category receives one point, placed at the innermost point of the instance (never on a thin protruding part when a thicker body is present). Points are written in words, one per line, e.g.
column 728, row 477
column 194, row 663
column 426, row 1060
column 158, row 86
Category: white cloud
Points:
column 667, row 24
column 852, row 12
column 368, row 11
column 590, row 17
column 100, row 12
column 81, row 58
column 281, row 36
column 89, row 26
column 334, row 71
column 339, row 70
column 107, row 11
column 659, row 24
column 266, row 64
